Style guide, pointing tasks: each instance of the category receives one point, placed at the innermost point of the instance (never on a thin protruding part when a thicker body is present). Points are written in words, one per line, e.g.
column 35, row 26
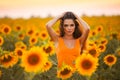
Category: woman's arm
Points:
column 85, row 31
column 50, row 30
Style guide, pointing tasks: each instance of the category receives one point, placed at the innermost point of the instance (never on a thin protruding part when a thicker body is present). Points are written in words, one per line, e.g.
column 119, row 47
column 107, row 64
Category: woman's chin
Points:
column 69, row 34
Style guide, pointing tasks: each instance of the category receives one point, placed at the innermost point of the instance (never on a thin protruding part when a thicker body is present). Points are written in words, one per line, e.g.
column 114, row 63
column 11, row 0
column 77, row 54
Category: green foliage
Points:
column 103, row 71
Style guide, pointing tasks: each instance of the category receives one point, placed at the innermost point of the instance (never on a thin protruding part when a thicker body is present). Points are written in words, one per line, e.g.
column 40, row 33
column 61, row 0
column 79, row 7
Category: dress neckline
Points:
column 67, row 46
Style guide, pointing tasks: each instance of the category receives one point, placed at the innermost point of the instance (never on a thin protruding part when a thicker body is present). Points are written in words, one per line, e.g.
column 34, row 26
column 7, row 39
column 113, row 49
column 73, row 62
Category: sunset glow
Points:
column 43, row 8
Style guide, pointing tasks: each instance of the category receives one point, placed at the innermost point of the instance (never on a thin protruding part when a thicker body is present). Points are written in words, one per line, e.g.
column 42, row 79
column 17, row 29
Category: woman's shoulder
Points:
column 58, row 41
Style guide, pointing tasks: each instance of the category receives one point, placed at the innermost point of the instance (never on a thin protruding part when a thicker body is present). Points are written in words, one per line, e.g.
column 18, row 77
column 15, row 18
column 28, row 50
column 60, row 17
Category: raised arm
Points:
column 50, row 30
column 85, row 31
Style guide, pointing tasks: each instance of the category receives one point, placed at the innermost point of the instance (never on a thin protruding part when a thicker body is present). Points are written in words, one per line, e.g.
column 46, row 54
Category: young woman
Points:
column 73, row 35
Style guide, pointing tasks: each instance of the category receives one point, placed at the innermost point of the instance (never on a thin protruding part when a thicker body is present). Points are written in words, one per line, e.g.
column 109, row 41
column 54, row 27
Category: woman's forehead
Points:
column 68, row 21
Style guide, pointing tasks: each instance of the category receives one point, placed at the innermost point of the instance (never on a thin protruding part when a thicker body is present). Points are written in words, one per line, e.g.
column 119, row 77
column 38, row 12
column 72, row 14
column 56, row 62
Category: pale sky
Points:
column 27, row 8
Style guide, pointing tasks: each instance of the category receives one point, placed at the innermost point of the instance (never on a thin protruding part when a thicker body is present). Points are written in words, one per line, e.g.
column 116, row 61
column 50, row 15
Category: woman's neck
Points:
column 68, row 37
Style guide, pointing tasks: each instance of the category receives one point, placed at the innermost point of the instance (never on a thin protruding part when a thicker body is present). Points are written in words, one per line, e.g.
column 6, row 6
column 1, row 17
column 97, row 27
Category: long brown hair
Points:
column 69, row 15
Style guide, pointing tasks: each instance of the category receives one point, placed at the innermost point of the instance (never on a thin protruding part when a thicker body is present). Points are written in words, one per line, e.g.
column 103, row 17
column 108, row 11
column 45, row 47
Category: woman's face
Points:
column 68, row 26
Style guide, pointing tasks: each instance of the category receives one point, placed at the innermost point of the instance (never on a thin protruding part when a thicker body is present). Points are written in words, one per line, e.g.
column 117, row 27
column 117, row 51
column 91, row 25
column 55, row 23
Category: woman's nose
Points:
column 69, row 27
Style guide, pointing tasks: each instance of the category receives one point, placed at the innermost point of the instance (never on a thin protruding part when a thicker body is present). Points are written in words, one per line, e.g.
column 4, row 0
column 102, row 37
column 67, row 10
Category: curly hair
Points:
column 69, row 15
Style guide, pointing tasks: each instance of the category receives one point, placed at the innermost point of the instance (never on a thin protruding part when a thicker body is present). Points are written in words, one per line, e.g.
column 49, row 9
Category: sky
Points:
column 43, row 8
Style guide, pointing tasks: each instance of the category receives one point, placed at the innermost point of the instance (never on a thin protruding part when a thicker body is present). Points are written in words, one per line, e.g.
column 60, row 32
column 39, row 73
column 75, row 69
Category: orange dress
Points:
column 67, row 55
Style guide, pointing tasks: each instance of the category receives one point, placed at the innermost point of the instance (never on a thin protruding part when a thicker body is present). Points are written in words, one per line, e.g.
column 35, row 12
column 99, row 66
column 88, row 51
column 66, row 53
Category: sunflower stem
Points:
column 1, row 51
column 87, row 77
column 32, row 75
column 29, row 76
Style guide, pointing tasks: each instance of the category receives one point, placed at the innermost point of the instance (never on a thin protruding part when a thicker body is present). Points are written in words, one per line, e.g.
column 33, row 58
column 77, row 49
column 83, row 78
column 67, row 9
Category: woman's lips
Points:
column 69, row 31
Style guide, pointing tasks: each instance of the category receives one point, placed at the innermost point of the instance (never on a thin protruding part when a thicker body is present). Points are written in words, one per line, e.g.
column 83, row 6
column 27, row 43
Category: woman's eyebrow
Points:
column 71, row 24
column 65, row 24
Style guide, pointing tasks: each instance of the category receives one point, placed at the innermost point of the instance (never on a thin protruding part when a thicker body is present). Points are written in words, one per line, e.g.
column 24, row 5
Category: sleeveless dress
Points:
column 67, row 55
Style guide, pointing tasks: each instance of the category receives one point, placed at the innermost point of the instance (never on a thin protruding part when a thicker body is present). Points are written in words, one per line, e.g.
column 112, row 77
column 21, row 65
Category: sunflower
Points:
column 21, row 45
column 6, row 29
column 8, row 60
column 91, row 43
column 99, row 28
column 37, row 34
column 43, row 35
column 97, row 42
column 33, row 40
column 18, row 28
column 93, row 33
column 86, row 64
column 102, row 47
column 30, row 32
column 65, row 72
column 104, row 41
column 110, row 59
column 49, row 48
column 1, row 40
column 18, row 44
column 21, row 36
column 19, row 52
column 34, row 60
column 93, row 50
column 47, row 66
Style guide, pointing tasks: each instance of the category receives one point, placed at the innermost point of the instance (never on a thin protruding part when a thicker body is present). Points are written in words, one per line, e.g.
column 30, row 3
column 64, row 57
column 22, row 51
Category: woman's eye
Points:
column 72, row 24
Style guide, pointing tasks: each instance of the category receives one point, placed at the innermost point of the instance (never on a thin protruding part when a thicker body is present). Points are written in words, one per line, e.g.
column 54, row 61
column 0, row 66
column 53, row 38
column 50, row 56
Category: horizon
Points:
column 44, row 8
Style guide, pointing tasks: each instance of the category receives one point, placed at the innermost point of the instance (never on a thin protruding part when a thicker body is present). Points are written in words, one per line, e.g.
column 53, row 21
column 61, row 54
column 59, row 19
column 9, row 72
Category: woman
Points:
column 73, row 34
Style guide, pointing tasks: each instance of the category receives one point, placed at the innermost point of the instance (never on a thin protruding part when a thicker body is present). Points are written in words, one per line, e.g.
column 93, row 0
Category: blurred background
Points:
column 24, row 40
column 44, row 8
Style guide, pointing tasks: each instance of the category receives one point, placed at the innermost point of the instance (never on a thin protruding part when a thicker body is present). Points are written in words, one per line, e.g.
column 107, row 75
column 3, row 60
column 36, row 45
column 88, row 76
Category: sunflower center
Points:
column 48, row 50
column 92, row 52
column 8, row 59
column 19, row 52
column 65, row 71
column 44, row 35
column 93, row 33
column 22, row 47
column 30, row 32
column 6, row 30
column 33, row 40
column 110, row 59
column 21, row 35
column 96, row 42
column 99, row 29
column 18, row 28
column 86, row 64
column 101, row 47
column 33, row 59
column 0, row 40
column 103, row 42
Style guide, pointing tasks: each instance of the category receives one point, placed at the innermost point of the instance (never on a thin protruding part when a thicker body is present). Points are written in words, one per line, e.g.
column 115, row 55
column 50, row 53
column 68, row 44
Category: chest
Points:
column 65, row 47
column 69, row 43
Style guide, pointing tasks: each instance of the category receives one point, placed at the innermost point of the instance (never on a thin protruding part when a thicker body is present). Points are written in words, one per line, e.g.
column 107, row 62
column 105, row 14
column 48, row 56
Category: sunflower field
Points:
column 28, row 53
